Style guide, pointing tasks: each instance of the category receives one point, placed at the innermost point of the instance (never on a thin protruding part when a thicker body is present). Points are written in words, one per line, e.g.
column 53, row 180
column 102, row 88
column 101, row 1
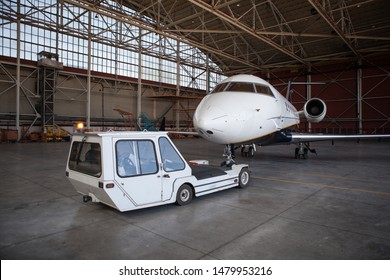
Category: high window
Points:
column 116, row 47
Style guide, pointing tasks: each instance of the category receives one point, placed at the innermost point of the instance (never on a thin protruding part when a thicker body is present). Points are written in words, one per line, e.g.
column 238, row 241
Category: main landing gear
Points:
column 248, row 150
column 302, row 150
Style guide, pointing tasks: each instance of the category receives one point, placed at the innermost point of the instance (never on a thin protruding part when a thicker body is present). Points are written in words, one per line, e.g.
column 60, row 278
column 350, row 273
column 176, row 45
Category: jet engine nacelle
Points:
column 314, row 110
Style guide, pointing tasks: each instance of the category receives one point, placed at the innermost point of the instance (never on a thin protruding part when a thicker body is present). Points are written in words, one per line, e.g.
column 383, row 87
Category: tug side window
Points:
column 85, row 157
column 135, row 157
column 171, row 159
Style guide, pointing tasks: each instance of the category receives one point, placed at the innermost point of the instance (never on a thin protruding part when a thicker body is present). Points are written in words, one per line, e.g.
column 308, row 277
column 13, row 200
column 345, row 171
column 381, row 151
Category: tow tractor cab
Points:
column 133, row 170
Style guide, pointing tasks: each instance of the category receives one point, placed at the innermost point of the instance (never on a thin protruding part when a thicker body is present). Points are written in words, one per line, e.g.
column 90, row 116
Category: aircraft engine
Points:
column 314, row 110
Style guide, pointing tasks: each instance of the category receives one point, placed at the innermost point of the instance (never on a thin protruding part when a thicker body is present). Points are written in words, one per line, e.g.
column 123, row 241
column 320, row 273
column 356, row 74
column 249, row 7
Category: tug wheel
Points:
column 184, row 195
column 244, row 178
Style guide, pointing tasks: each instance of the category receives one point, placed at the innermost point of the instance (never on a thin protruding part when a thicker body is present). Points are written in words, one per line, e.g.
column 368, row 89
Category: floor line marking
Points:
column 321, row 185
column 344, row 178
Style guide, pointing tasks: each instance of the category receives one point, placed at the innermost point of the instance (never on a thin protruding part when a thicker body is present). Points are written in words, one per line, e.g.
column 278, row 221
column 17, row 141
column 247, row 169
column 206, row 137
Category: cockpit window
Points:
column 244, row 87
column 263, row 90
column 219, row 88
column 234, row 86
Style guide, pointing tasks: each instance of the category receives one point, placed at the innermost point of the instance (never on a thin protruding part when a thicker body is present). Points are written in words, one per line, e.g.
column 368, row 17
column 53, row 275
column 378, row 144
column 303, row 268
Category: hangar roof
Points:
column 247, row 36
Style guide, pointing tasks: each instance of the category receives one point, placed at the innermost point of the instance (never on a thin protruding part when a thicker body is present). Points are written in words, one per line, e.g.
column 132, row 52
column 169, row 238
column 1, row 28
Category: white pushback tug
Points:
column 134, row 170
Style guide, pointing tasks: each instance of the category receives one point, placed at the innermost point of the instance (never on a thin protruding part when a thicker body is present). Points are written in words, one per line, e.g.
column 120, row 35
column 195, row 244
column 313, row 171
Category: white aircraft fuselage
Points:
column 244, row 109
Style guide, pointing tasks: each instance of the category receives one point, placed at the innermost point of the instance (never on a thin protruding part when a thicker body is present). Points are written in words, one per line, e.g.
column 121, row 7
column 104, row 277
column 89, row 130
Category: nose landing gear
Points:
column 229, row 155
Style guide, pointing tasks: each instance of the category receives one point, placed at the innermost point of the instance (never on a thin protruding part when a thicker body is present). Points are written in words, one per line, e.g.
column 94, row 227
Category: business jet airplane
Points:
column 245, row 110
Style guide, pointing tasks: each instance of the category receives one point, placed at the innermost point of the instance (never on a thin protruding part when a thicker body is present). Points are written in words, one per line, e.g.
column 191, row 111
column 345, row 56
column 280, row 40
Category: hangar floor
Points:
column 332, row 206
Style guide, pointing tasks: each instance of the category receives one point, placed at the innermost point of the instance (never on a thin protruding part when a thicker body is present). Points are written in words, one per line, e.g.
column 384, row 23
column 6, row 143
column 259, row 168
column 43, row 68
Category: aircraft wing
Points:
column 183, row 132
column 313, row 137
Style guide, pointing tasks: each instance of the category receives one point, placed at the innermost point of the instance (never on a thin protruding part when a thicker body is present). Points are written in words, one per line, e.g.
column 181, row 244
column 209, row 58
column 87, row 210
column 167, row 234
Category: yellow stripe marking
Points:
column 351, row 179
column 321, row 185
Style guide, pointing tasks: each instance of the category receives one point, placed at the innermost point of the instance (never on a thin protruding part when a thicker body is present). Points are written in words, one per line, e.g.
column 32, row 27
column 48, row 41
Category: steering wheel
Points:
column 128, row 166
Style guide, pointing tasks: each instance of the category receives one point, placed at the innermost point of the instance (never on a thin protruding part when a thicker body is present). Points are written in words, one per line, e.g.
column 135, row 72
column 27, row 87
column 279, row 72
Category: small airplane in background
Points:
column 245, row 111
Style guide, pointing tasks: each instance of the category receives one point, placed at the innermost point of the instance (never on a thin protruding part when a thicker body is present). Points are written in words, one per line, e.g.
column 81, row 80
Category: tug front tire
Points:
column 184, row 195
column 244, row 178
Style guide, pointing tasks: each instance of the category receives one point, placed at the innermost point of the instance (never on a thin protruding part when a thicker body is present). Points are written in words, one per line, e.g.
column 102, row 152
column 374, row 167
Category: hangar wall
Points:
column 109, row 97
column 357, row 94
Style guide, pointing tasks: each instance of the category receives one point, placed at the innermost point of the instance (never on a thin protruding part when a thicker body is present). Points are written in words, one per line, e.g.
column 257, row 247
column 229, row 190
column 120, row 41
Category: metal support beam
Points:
column 359, row 83
column 129, row 19
column 325, row 15
column 139, row 87
column 18, row 75
column 308, row 90
column 178, row 85
column 235, row 22
column 89, row 70
column 207, row 73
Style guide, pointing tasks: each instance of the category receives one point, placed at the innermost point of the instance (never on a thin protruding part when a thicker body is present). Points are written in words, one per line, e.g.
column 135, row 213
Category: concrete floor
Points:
column 332, row 206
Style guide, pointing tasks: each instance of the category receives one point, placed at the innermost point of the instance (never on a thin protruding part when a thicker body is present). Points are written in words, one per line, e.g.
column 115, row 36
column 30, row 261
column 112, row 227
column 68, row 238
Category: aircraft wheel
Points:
column 251, row 152
column 305, row 153
column 244, row 178
column 184, row 195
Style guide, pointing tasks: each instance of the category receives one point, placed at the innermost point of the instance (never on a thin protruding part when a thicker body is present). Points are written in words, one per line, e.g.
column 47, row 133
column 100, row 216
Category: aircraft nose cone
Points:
column 209, row 121
column 222, row 118
column 206, row 127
